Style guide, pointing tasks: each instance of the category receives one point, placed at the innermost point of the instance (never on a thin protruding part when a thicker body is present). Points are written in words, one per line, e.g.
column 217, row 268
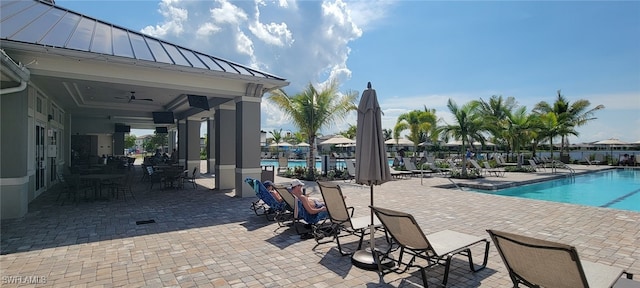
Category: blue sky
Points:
column 417, row 53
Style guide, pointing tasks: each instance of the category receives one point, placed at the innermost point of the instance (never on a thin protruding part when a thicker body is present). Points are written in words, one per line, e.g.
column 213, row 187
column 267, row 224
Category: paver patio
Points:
column 206, row 238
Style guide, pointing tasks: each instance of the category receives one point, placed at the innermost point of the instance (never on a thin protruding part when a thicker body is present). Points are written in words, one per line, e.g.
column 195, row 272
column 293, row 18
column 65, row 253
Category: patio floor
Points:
column 207, row 238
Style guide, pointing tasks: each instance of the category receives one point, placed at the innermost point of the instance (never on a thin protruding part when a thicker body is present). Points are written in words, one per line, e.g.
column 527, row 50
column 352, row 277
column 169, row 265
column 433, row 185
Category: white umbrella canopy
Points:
column 281, row 144
column 459, row 143
column 372, row 167
column 338, row 139
column 303, row 144
column 611, row 141
column 399, row 142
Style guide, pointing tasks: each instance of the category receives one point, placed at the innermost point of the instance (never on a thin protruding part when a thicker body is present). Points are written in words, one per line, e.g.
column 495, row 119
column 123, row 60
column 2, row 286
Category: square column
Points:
column 211, row 145
column 193, row 145
column 248, row 143
column 225, row 144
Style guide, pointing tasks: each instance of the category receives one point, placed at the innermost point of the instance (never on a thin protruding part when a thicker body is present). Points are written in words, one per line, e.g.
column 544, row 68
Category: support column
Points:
column 118, row 144
column 225, row 146
column 248, row 139
column 182, row 142
column 193, row 145
column 15, row 183
column 211, row 146
column 171, row 139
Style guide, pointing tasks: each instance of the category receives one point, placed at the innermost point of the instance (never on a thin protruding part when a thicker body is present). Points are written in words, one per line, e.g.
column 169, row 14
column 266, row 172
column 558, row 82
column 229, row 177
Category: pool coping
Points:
column 497, row 183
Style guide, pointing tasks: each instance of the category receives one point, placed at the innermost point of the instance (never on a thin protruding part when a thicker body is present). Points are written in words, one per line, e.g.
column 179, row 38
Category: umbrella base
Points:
column 363, row 259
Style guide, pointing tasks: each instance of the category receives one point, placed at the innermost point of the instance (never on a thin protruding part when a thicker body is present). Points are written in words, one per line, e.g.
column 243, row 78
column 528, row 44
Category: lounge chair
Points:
column 436, row 248
column 266, row 204
column 415, row 171
column 535, row 166
column 441, row 171
column 351, row 169
column 540, row 263
column 474, row 163
column 495, row 171
column 342, row 218
column 300, row 215
column 399, row 174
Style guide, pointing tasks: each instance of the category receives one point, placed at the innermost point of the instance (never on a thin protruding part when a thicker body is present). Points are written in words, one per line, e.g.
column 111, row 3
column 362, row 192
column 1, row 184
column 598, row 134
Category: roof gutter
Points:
column 17, row 71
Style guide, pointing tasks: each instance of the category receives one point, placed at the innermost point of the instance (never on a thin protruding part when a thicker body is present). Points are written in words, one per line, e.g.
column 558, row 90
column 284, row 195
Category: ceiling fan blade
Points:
column 146, row 99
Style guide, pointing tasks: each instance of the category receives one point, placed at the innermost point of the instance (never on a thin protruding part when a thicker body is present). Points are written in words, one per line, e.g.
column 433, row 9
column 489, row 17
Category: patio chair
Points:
column 190, row 179
column 477, row 166
column 495, row 171
column 317, row 225
column 124, row 186
column 266, row 204
column 399, row 174
column 440, row 171
column 351, row 169
column 540, row 263
column 411, row 166
column 342, row 218
column 535, row 166
column 436, row 248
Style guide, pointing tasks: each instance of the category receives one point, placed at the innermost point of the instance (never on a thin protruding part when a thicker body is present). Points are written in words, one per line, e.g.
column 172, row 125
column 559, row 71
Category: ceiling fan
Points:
column 133, row 97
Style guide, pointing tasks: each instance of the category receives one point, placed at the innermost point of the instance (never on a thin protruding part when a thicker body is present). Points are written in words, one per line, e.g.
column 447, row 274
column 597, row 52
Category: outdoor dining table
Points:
column 96, row 179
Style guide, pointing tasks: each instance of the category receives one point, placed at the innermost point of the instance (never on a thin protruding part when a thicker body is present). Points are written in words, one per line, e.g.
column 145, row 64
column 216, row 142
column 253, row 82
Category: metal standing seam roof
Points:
column 42, row 23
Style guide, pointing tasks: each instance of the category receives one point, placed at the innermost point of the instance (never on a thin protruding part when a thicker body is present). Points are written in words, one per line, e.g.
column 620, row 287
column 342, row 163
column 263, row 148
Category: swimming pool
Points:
column 303, row 163
column 615, row 188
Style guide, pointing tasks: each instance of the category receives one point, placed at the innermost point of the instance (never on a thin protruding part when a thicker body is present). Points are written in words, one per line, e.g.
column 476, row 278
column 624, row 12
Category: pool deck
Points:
column 207, row 238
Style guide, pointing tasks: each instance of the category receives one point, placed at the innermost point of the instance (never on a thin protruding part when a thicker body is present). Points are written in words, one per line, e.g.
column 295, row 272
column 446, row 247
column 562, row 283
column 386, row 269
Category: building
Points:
column 72, row 80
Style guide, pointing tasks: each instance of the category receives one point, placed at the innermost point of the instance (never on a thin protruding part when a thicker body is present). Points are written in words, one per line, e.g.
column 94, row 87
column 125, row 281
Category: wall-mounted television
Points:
column 198, row 101
column 163, row 117
column 162, row 130
column 122, row 128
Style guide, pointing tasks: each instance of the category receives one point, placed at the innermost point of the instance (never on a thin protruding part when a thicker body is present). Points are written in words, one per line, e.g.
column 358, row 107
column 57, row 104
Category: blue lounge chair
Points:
column 266, row 204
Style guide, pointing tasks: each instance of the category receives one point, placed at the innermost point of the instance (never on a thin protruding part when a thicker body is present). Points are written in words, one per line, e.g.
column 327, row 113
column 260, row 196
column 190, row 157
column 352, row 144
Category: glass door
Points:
column 41, row 163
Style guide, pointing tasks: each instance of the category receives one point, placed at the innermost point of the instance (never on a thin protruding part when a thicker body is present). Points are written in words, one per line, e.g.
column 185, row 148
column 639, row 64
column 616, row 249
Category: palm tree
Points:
column 569, row 115
column 313, row 109
column 518, row 129
column 277, row 138
column 550, row 128
column 494, row 112
column 468, row 127
column 419, row 124
column 387, row 133
column 350, row 133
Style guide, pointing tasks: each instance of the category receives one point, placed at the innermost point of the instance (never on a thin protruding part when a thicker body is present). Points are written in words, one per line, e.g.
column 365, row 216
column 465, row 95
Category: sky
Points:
column 416, row 54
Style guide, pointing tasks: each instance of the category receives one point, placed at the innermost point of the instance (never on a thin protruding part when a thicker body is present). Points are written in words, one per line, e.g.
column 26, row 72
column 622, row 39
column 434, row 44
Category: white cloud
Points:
column 207, row 29
column 272, row 33
column 228, row 13
column 176, row 17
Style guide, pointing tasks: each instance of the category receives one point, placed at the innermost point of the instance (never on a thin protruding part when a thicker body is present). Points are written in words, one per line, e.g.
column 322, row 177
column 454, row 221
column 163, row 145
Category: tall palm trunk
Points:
column 311, row 162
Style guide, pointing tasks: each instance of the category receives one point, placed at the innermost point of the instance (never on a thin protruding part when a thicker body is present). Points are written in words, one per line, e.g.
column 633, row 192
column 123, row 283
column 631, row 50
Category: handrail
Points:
column 455, row 184
column 562, row 165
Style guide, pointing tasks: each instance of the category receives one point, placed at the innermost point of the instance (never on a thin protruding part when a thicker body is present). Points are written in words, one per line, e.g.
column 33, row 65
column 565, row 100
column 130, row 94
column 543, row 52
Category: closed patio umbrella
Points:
column 372, row 167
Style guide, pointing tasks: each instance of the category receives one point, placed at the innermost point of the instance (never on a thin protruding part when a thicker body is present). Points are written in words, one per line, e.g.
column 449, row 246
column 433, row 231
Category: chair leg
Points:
column 424, row 278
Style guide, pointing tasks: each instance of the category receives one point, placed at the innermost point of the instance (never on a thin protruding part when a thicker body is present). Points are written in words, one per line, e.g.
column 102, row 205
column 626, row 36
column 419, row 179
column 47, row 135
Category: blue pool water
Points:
column 303, row 163
column 616, row 188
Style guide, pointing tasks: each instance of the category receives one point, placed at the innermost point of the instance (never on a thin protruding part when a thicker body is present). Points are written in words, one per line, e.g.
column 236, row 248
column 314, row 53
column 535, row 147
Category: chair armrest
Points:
column 352, row 209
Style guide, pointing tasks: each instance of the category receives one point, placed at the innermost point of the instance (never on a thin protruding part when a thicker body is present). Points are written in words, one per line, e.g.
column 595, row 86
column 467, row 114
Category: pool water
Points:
column 616, row 188
column 340, row 164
